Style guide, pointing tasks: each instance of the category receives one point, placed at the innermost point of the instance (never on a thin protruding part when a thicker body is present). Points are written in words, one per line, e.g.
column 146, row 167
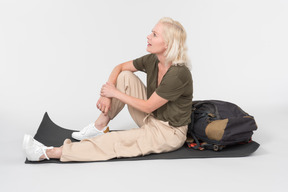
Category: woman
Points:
column 163, row 118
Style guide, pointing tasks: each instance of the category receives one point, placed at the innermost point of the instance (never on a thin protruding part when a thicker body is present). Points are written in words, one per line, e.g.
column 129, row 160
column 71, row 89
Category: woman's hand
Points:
column 104, row 104
column 109, row 90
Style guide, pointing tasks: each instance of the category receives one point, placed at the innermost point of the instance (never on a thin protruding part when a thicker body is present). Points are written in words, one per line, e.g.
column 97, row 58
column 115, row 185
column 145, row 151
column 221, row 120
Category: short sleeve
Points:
column 173, row 85
column 141, row 63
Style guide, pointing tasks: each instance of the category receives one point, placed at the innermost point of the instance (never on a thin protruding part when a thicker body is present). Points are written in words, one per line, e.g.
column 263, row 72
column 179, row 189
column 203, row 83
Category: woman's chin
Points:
column 148, row 49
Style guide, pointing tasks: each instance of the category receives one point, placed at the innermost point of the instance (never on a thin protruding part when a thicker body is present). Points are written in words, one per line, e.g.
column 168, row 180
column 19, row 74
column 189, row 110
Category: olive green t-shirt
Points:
column 176, row 86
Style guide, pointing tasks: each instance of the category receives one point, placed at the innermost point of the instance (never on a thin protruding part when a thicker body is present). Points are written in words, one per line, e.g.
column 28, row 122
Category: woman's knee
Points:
column 127, row 79
column 125, row 74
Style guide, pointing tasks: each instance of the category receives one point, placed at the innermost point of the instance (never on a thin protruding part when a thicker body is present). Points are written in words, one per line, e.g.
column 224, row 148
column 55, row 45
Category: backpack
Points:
column 217, row 124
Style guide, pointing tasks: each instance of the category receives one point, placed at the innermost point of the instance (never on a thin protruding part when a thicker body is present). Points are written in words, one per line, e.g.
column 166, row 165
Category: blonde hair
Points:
column 175, row 38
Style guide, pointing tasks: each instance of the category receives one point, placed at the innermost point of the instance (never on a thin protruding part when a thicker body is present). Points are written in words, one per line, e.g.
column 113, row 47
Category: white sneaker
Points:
column 34, row 149
column 89, row 132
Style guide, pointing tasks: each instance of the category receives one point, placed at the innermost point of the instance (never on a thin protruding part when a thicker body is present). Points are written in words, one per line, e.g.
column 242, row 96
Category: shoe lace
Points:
column 42, row 148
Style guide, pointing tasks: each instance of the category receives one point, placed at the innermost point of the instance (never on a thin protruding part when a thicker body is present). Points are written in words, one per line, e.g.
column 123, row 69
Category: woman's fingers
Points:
column 103, row 108
column 106, row 111
column 99, row 104
column 107, row 90
column 104, row 102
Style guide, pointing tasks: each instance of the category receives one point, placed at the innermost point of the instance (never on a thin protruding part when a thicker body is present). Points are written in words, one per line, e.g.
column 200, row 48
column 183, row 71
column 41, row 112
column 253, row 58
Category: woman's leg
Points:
column 110, row 145
column 54, row 153
column 102, row 121
column 130, row 84
column 153, row 137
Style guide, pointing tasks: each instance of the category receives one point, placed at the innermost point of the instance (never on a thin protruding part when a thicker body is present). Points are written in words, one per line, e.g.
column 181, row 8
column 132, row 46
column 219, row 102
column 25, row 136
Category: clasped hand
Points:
column 108, row 91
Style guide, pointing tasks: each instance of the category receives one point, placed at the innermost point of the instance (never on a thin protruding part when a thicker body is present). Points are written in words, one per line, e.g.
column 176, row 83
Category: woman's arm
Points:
column 127, row 66
column 104, row 103
column 154, row 102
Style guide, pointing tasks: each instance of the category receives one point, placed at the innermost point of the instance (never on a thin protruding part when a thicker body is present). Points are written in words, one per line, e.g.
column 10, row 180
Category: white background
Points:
column 55, row 56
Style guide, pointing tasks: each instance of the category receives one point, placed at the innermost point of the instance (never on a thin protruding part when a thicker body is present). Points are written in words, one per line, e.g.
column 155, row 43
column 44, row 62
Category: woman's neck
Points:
column 162, row 60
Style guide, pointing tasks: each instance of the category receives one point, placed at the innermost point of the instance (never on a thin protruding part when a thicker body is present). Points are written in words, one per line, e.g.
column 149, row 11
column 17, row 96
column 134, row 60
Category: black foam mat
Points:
column 51, row 134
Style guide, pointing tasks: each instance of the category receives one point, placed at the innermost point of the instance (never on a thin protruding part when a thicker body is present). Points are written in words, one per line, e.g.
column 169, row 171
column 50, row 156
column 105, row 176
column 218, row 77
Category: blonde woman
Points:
column 162, row 110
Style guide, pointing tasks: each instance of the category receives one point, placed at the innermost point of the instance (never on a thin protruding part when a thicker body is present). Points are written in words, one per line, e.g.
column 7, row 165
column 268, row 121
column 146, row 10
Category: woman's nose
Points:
column 148, row 37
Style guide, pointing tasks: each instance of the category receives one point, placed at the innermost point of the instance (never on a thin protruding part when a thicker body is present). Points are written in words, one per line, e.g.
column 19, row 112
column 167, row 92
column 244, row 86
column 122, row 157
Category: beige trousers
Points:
column 153, row 136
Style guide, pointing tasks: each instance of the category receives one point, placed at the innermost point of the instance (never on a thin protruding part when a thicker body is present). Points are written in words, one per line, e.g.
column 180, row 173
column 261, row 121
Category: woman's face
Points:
column 156, row 44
